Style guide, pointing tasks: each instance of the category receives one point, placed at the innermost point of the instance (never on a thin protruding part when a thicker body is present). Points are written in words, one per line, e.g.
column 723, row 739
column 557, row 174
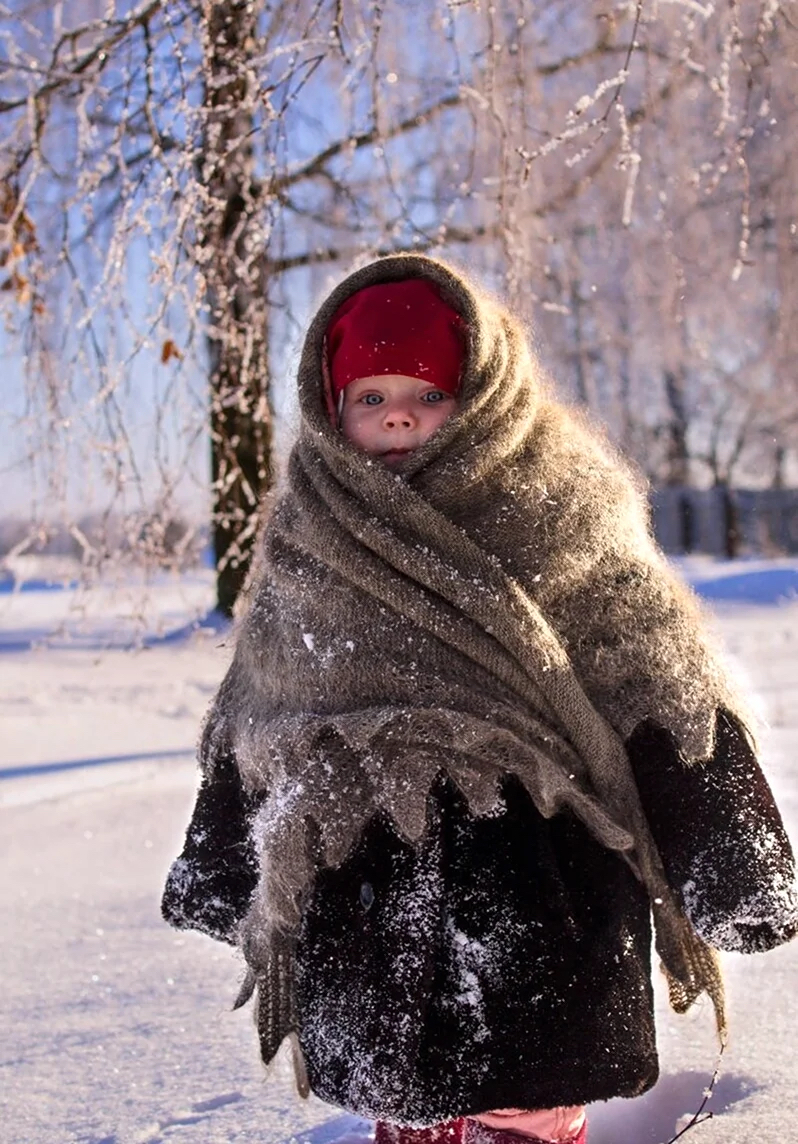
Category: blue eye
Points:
column 434, row 396
column 371, row 399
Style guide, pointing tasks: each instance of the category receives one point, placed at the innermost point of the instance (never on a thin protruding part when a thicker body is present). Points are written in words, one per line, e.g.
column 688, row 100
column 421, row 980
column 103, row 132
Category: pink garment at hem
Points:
column 555, row 1124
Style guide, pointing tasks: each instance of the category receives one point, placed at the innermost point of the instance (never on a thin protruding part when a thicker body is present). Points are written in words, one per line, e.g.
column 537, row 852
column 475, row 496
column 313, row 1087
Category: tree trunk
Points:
column 231, row 251
column 731, row 526
column 687, row 537
column 779, row 461
column 677, row 457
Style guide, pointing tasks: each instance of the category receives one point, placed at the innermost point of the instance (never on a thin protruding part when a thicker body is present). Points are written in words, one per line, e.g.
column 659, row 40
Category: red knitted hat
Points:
column 396, row 327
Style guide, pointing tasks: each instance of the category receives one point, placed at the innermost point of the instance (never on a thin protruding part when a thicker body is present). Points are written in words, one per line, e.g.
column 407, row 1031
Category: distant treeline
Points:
column 724, row 521
column 719, row 521
column 169, row 541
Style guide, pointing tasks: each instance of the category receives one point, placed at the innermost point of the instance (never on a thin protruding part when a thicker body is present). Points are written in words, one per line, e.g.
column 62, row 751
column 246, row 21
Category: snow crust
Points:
column 118, row 1029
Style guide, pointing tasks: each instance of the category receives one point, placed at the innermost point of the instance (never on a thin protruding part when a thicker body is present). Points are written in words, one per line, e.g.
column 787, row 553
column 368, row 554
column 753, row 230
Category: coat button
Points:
column 366, row 895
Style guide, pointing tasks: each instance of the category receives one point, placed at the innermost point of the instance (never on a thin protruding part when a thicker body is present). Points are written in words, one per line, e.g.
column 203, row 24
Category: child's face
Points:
column 391, row 415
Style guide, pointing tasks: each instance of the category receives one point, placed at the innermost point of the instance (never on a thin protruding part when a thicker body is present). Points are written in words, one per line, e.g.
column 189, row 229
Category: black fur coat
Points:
column 505, row 963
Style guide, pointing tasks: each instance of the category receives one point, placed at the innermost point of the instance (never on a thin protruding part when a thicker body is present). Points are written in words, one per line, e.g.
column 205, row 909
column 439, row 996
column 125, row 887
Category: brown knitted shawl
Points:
column 496, row 606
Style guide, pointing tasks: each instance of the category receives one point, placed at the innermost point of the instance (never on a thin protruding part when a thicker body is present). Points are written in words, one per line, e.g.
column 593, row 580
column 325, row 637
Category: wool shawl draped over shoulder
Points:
column 495, row 606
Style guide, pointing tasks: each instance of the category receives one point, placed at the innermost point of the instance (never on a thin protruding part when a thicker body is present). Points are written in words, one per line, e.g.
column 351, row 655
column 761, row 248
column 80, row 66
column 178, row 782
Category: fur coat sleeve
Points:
column 210, row 884
column 721, row 838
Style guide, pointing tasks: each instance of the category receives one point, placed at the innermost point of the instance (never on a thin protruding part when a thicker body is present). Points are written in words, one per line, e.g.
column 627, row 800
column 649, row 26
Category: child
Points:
column 472, row 740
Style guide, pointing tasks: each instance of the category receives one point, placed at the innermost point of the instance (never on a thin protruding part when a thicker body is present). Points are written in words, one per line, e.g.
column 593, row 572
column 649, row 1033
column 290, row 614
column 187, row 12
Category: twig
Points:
column 699, row 1116
column 625, row 69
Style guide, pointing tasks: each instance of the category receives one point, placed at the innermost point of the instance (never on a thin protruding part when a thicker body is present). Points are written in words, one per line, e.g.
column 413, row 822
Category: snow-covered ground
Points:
column 117, row 1029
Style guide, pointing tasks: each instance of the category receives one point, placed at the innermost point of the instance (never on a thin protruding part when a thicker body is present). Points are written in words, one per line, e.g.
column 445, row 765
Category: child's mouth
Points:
column 394, row 456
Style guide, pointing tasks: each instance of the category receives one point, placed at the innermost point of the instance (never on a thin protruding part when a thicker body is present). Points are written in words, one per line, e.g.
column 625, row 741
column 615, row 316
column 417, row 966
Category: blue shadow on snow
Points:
column 9, row 584
column 760, row 586
column 21, row 772
column 22, row 640
column 344, row 1129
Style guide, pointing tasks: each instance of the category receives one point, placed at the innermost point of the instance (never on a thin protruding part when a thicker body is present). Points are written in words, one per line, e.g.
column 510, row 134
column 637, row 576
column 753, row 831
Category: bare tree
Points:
column 231, row 243
column 177, row 179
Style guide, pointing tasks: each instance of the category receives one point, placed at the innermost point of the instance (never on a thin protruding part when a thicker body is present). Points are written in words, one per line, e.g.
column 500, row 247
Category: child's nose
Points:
column 399, row 418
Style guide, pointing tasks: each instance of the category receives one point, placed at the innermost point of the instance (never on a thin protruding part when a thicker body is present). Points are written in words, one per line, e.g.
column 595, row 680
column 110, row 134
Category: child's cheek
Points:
column 355, row 427
column 443, row 413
